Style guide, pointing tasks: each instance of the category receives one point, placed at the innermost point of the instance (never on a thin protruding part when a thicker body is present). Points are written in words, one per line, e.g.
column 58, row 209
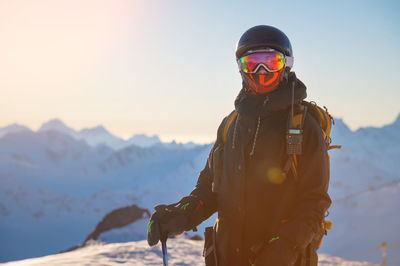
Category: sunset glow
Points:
column 168, row 68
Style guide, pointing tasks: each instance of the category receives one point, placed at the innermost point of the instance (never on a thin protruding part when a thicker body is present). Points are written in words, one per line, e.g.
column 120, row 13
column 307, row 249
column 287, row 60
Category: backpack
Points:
column 294, row 142
column 325, row 121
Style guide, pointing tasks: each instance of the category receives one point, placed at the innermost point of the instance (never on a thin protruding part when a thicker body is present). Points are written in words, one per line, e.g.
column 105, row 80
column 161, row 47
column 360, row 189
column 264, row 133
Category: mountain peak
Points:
column 58, row 125
column 395, row 125
column 12, row 129
column 100, row 128
column 397, row 121
column 15, row 127
column 53, row 123
column 95, row 130
column 143, row 140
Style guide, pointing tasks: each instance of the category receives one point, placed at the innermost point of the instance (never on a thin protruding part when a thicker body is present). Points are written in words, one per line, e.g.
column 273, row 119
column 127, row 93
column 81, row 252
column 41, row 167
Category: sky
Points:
column 168, row 67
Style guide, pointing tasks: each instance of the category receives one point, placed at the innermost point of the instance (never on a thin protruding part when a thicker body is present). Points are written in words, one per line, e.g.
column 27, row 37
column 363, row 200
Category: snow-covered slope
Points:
column 363, row 221
column 54, row 189
column 181, row 252
column 365, row 189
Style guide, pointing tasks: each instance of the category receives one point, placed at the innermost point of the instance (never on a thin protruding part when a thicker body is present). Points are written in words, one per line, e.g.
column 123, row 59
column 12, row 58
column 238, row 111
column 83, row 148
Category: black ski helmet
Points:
column 263, row 36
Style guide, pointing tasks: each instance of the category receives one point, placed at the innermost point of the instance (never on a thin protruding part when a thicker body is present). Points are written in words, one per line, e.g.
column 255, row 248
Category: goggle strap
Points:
column 289, row 61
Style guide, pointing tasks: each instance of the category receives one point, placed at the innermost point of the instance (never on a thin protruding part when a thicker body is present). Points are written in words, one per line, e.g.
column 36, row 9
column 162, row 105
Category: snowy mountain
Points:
column 59, row 126
column 181, row 251
column 12, row 129
column 98, row 135
column 365, row 188
column 143, row 140
column 56, row 185
column 54, row 188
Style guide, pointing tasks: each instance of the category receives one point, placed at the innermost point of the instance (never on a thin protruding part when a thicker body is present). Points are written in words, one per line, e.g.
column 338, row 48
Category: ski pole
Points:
column 164, row 252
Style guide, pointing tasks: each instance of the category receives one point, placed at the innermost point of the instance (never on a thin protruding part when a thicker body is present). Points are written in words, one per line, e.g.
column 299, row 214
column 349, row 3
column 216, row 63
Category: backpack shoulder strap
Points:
column 228, row 123
column 298, row 119
column 215, row 158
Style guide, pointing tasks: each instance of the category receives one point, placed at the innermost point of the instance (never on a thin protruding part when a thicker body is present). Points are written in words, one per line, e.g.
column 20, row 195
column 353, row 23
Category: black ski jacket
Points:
column 254, row 201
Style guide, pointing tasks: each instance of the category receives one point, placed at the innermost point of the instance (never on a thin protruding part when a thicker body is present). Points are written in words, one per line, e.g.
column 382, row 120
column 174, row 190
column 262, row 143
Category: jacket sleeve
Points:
column 312, row 191
column 204, row 186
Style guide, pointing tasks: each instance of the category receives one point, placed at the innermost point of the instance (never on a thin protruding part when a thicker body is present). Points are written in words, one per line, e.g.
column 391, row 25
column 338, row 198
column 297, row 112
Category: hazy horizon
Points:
column 182, row 139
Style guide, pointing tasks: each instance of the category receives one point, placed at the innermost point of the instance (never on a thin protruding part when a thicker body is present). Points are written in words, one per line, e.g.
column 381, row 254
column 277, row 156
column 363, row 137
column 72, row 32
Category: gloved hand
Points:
column 171, row 220
column 278, row 251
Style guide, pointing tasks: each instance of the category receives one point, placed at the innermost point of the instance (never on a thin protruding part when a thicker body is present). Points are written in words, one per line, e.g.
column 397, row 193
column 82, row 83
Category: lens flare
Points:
column 275, row 175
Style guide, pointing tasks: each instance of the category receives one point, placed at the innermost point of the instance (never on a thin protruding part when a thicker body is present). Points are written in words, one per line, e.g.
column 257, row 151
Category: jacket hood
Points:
column 250, row 105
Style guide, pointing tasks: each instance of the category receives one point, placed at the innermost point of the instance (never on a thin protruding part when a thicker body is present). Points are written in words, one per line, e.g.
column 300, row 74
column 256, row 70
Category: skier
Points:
column 269, row 212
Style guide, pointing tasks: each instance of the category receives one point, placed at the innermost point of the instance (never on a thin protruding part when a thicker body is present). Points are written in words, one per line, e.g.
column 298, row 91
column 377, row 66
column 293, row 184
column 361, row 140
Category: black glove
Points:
column 171, row 220
column 278, row 251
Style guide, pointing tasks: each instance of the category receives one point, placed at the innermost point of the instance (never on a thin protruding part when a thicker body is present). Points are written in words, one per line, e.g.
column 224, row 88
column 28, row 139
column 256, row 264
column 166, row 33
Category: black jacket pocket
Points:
column 209, row 252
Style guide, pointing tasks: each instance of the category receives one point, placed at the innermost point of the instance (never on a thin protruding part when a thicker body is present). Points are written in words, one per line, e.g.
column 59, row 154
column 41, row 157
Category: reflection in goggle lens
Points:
column 273, row 61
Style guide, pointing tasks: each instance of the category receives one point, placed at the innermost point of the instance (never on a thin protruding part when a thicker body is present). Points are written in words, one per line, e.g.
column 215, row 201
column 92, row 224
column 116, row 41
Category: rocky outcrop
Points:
column 115, row 219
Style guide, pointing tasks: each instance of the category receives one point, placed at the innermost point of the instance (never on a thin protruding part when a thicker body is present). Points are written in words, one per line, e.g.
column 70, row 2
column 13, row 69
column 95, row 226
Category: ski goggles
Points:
column 272, row 61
